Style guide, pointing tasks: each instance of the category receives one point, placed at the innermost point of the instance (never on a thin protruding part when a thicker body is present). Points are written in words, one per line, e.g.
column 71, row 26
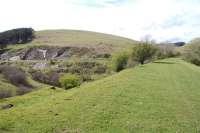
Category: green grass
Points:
column 154, row 98
column 101, row 42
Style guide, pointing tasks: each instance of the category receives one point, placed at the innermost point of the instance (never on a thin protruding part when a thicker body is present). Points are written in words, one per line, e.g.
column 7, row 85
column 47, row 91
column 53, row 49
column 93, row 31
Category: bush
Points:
column 23, row 90
column 85, row 77
column 100, row 69
column 120, row 61
column 51, row 77
column 166, row 51
column 15, row 75
column 4, row 93
column 69, row 81
column 38, row 76
column 191, row 53
column 143, row 51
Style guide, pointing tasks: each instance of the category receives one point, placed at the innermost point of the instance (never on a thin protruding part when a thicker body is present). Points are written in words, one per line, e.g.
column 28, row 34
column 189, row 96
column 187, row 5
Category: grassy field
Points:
column 158, row 97
column 76, row 38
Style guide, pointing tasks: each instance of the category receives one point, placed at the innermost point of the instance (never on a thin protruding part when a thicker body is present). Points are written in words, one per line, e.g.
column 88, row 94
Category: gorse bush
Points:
column 143, row 51
column 120, row 61
column 69, row 81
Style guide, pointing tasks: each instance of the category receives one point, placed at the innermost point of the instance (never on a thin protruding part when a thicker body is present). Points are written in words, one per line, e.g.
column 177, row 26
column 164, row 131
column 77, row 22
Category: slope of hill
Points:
column 77, row 38
column 80, row 38
column 158, row 97
column 61, row 46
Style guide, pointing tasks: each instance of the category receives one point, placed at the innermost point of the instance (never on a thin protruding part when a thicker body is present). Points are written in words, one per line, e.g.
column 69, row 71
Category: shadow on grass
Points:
column 162, row 62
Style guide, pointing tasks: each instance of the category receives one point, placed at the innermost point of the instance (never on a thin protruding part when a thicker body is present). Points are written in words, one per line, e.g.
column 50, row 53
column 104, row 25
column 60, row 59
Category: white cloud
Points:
column 163, row 19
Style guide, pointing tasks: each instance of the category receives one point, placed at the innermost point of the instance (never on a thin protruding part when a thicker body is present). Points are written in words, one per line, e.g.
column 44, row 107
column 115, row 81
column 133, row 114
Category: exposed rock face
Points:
column 47, row 52
column 7, row 55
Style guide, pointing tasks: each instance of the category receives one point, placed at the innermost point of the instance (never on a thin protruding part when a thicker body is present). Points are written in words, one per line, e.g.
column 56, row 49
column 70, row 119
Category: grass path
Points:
column 158, row 97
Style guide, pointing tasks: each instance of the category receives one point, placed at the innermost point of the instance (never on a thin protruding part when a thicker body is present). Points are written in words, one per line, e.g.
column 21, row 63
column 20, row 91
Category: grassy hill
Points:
column 157, row 97
column 82, row 45
column 77, row 38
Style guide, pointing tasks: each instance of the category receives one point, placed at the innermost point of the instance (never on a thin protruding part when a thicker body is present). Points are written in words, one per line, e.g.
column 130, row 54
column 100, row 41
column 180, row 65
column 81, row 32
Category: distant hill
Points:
column 179, row 44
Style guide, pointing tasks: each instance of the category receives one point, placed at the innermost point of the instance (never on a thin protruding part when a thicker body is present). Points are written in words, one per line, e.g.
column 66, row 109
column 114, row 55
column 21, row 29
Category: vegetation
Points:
column 165, row 50
column 162, row 96
column 69, row 81
column 16, row 36
column 156, row 97
column 51, row 77
column 143, row 51
column 101, row 43
column 120, row 61
column 13, row 81
column 191, row 52
column 14, row 75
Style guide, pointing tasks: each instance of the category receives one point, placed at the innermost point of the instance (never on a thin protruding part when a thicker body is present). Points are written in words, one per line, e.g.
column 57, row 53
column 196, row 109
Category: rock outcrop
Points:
column 48, row 52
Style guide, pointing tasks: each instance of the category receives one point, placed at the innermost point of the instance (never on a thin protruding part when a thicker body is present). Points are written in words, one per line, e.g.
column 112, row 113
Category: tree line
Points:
column 16, row 36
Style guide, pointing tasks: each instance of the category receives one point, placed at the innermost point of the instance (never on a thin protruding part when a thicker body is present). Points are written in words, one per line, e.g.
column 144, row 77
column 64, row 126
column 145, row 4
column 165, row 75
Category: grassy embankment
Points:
column 156, row 97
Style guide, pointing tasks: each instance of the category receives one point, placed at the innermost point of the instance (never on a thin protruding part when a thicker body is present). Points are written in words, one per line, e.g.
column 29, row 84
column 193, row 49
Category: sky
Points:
column 163, row 20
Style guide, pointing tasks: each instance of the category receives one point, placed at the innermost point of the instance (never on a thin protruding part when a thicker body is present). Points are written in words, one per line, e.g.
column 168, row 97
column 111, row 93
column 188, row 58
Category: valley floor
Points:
column 163, row 96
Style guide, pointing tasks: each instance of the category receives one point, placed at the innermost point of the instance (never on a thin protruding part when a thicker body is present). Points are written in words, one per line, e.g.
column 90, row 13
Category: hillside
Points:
column 157, row 97
column 77, row 38
column 80, row 38
column 62, row 51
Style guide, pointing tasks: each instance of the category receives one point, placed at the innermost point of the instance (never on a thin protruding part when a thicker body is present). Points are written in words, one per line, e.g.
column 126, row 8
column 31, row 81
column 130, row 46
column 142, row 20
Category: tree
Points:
column 143, row 51
column 16, row 36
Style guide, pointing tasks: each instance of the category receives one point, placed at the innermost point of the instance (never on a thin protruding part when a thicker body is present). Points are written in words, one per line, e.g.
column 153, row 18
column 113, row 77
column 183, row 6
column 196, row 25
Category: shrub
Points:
column 51, row 77
column 143, row 51
column 100, row 69
column 4, row 93
column 23, row 90
column 69, row 81
column 191, row 53
column 38, row 76
column 120, row 61
column 52, row 62
column 85, row 77
column 15, row 75
column 166, row 51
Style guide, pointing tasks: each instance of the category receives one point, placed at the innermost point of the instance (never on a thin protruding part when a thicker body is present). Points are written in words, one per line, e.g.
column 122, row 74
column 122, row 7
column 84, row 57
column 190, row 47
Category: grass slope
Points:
column 77, row 38
column 157, row 97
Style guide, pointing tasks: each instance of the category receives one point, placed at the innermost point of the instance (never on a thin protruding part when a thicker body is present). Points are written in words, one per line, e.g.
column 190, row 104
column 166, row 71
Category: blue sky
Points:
column 164, row 20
